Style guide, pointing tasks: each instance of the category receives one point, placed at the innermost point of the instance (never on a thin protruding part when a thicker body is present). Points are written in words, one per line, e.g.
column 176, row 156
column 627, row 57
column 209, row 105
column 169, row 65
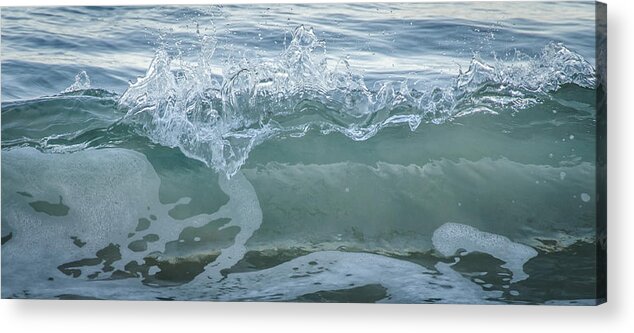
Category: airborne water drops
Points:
column 585, row 197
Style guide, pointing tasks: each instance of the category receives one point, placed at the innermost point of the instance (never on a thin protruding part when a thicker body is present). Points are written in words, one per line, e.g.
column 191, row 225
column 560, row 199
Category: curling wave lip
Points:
column 219, row 120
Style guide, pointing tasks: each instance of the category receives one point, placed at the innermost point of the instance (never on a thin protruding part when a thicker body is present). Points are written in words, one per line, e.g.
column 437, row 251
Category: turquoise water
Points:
column 400, row 153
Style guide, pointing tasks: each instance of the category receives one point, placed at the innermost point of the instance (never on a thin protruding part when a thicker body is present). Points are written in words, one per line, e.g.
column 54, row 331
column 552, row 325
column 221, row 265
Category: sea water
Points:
column 367, row 152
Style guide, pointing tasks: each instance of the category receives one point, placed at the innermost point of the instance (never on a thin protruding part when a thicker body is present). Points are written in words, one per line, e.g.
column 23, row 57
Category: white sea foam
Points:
column 106, row 191
column 452, row 237
column 405, row 282
column 244, row 211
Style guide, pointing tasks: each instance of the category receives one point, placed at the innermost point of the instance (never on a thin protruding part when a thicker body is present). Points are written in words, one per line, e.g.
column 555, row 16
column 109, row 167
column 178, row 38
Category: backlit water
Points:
column 403, row 153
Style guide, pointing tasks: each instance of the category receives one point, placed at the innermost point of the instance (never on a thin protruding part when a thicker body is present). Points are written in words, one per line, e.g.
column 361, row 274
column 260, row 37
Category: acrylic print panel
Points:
column 368, row 152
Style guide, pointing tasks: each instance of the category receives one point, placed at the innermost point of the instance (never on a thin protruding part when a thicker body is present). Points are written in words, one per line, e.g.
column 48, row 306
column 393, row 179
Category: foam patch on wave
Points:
column 452, row 237
column 244, row 210
column 100, row 220
column 219, row 119
column 96, row 214
column 405, row 282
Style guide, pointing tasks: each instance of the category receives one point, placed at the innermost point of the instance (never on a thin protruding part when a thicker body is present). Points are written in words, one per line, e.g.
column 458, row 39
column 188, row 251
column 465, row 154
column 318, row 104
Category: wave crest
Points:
column 219, row 119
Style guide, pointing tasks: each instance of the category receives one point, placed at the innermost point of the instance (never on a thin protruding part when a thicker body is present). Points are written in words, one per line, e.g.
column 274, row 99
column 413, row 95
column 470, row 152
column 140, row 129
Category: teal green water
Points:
column 402, row 153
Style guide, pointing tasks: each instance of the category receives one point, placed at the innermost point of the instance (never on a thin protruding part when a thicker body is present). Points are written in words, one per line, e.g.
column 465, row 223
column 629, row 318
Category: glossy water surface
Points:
column 403, row 153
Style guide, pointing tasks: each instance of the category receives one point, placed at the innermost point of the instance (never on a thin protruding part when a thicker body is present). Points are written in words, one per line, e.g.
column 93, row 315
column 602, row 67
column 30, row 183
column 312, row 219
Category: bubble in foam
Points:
column 451, row 237
column 585, row 197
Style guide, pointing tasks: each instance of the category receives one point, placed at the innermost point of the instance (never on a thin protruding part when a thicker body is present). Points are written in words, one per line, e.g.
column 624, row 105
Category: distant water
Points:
column 401, row 153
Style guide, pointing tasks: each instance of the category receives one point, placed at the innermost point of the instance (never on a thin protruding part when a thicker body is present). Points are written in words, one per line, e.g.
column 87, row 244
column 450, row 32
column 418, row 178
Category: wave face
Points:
column 220, row 119
column 394, row 153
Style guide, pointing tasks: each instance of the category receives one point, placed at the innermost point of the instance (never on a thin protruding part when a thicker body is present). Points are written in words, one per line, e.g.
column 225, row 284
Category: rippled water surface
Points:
column 400, row 153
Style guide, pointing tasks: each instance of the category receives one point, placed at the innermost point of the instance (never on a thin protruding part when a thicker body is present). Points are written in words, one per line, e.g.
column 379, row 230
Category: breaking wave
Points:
column 219, row 118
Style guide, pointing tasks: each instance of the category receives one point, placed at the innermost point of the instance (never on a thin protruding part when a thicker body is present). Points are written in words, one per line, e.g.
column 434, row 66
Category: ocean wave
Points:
column 219, row 119
column 215, row 255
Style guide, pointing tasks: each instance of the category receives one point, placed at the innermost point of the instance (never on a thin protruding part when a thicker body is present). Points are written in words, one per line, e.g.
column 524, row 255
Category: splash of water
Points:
column 220, row 119
column 82, row 82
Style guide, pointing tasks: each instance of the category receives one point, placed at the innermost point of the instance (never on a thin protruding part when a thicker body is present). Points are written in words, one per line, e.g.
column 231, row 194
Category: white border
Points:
column 615, row 316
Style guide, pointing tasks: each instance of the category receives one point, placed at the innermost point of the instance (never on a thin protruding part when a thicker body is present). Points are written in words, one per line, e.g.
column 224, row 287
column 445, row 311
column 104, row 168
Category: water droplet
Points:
column 585, row 197
column 572, row 137
column 196, row 239
column 562, row 175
